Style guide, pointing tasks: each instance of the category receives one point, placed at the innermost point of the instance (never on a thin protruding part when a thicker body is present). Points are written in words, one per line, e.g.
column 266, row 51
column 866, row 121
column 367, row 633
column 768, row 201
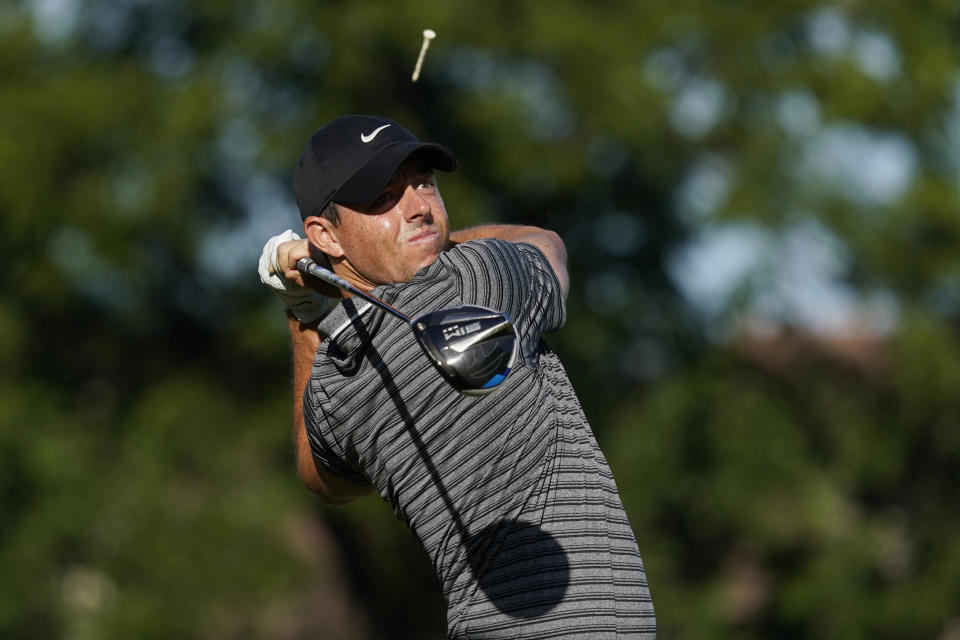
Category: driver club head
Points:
column 472, row 347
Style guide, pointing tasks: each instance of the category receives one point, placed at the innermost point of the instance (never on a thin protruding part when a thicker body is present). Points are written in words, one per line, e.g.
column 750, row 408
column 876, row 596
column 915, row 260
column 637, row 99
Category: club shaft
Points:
column 306, row 265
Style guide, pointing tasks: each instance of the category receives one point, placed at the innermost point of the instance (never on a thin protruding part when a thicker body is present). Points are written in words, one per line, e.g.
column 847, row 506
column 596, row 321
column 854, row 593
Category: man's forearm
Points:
column 304, row 341
column 508, row 232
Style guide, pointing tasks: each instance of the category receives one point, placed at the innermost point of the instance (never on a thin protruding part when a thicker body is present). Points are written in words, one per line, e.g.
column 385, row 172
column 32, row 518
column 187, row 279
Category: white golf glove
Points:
column 305, row 303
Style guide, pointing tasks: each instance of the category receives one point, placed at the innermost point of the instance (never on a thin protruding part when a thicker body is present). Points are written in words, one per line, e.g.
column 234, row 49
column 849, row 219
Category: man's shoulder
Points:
column 486, row 249
column 489, row 244
column 507, row 258
column 468, row 266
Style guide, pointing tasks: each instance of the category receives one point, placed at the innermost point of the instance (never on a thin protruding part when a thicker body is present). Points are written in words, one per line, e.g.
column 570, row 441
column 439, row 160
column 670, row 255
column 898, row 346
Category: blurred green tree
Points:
column 729, row 178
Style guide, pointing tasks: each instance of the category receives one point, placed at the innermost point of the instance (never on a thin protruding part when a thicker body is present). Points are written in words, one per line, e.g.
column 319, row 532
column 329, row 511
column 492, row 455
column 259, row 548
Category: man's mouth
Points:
column 424, row 235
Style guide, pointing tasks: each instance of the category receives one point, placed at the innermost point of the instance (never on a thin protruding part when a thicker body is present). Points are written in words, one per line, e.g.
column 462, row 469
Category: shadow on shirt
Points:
column 520, row 567
column 529, row 572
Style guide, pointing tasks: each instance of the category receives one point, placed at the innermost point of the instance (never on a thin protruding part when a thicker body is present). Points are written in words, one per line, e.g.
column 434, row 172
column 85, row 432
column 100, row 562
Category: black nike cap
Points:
column 351, row 159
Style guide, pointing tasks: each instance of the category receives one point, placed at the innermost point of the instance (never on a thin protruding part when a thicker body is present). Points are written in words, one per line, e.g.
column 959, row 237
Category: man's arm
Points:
column 329, row 488
column 547, row 241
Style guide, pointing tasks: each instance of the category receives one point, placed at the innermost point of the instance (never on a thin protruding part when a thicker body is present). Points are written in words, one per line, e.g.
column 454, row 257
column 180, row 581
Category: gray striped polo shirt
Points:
column 508, row 494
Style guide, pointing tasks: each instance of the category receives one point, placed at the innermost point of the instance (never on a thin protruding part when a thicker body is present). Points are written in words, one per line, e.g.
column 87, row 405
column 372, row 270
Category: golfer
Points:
column 508, row 493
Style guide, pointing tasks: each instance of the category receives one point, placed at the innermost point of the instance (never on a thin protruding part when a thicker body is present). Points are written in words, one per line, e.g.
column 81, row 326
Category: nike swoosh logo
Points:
column 367, row 137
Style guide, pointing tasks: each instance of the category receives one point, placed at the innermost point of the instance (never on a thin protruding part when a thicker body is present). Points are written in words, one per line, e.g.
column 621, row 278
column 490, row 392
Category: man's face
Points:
column 398, row 233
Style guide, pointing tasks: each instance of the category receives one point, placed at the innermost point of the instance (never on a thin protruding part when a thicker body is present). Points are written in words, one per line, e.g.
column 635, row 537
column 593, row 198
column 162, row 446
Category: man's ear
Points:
column 323, row 235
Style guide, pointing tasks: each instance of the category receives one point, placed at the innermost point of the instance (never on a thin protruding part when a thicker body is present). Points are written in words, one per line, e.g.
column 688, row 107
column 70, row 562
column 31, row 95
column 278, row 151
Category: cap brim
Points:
column 367, row 183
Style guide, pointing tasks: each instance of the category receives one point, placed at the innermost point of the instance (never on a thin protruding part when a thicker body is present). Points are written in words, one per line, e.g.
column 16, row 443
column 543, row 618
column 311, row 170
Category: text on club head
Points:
column 458, row 330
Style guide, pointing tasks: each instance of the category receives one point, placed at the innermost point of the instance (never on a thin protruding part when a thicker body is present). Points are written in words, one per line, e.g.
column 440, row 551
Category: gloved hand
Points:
column 306, row 304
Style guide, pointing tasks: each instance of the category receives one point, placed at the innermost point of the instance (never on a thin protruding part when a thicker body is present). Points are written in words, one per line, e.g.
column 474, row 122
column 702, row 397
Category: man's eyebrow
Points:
column 422, row 165
column 405, row 173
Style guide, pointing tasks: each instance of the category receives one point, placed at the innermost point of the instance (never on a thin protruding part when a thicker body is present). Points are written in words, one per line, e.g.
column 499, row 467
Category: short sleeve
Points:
column 323, row 454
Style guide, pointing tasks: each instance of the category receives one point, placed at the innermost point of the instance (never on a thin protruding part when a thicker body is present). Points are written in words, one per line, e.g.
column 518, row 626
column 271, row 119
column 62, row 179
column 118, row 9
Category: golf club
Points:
column 472, row 347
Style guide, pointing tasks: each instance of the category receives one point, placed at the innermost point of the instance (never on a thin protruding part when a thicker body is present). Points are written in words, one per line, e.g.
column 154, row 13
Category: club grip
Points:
column 306, row 265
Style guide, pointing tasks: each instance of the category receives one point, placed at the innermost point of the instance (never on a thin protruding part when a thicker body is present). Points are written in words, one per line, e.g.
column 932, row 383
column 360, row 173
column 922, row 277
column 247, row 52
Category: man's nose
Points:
column 415, row 205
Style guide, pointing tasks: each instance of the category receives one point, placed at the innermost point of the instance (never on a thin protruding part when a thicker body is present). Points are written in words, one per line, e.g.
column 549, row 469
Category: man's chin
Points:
column 423, row 261
column 423, row 254
column 426, row 262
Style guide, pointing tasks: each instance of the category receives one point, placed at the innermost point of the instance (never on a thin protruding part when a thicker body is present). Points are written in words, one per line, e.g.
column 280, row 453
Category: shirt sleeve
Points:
column 515, row 278
column 324, row 455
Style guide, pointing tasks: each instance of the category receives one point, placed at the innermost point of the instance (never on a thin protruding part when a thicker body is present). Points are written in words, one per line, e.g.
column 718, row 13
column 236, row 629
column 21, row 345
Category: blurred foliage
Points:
column 781, row 484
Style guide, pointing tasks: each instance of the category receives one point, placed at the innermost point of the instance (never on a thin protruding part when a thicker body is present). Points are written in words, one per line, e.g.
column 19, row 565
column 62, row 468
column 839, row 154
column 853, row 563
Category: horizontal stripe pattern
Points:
column 509, row 494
